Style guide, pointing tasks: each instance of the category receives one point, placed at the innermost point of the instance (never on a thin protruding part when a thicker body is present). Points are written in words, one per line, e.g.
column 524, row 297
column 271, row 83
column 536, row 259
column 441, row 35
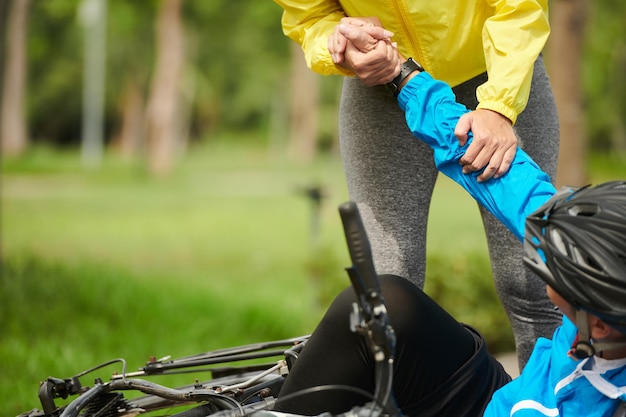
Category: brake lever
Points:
column 53, row 388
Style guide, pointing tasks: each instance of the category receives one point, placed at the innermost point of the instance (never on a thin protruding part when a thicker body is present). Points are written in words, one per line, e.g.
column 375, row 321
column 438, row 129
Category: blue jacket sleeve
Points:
column 432, row 113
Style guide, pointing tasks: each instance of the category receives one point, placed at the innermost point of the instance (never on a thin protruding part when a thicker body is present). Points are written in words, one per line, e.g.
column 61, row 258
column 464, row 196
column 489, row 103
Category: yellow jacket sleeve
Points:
column 309, row 23
column 513, row 38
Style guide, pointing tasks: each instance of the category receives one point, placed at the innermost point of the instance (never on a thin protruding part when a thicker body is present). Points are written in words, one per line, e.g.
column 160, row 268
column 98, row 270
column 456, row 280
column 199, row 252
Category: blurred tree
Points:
column 304, row 105
column 13, row 132
column 162, row 118
column 131, row 35
column 236, row 77
column 565, row 61
column 129, row 136
column 604, row 83
column 54, row 73
column 241, row 64
column 93, row 15
column 4, row 11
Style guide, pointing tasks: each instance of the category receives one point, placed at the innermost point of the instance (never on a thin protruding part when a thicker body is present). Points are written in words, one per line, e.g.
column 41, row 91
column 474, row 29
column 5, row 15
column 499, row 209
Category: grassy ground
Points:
column 111, row 263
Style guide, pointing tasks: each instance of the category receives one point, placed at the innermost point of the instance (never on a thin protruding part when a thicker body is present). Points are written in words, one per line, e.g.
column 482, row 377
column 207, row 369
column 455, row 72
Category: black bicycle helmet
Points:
column 576, row 242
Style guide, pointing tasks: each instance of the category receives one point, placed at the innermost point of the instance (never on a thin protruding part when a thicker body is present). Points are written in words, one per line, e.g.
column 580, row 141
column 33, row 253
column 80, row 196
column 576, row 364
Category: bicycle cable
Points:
column 102, row 365
column 320, row 388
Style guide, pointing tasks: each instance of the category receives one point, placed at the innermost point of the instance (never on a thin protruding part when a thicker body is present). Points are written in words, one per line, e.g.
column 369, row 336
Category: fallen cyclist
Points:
column 575, row 240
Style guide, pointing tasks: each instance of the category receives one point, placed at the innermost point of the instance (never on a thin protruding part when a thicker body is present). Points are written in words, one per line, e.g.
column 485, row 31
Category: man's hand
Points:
column 494, row 144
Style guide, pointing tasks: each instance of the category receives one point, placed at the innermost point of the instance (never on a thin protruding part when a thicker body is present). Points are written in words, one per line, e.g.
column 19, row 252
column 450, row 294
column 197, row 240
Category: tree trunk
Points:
column 12, row 120
column 128, row 141
column 565, row 65
column 304, row 128
column 162, row 135
column 93, row 15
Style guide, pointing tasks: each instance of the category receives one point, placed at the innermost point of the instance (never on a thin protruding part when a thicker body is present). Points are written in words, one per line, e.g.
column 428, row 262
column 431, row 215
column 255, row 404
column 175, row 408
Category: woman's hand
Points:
column 337, row 42
column 493, row 147
column 363, row 46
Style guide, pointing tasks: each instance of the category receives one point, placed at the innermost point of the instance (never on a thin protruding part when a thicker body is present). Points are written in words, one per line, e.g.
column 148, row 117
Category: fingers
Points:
column 498, row 165
column 364, row 33
column 360, row 38
column 354, row 32
column 363, row 46
column 371, row 25
column 337, row 46
column 362, row 21
column 493, row 157
column 463, row 127
column 364, row 38
column 493, row 145
column 375, row 67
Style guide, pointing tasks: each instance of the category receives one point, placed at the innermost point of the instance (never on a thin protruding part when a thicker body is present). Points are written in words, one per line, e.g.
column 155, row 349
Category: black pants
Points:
column 442, row 367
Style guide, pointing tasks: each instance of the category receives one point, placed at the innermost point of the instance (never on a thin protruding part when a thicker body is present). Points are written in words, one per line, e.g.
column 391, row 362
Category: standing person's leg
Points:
column 390, row 175
column 521, row 292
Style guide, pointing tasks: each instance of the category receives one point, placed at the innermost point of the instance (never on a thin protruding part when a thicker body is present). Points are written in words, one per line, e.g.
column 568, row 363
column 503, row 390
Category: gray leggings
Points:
column 391, row 176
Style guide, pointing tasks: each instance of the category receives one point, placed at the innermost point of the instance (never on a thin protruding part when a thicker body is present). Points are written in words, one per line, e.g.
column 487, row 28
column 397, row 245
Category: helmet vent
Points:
column 584, row 209
column 578, row 246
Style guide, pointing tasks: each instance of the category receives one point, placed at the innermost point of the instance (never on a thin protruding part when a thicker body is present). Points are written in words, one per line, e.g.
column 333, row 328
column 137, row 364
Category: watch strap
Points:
column 407, row 68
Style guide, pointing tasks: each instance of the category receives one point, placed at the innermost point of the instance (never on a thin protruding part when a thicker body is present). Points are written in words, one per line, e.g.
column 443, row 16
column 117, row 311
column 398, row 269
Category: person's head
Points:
column 576, row 242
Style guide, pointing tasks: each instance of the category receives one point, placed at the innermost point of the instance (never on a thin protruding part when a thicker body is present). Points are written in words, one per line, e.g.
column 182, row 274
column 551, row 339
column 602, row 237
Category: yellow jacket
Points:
column 454, row 40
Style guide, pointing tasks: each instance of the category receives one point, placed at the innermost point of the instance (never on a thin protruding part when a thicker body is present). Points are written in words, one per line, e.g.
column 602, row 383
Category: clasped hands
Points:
column 363, row 46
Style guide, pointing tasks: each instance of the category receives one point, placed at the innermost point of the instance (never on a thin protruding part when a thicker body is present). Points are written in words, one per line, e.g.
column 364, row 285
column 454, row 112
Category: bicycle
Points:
column 245, row 386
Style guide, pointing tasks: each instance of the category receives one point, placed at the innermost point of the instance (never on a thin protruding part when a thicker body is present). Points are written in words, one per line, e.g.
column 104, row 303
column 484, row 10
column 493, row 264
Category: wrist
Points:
column 407, row 79
column 408, row 70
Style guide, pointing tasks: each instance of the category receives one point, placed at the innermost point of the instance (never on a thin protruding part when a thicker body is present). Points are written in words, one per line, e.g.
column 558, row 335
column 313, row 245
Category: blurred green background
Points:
column 221, row 244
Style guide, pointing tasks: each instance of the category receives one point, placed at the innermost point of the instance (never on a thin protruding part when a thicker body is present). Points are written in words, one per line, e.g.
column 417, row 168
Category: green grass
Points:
column 106, row 263
column 606, row 167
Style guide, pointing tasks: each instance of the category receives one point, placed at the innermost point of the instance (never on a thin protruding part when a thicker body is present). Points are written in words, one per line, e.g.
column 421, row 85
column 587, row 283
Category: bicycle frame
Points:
column 245, row 386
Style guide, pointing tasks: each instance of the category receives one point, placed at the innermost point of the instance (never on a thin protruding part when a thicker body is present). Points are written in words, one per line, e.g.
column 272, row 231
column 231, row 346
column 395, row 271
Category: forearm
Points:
column 432, row 114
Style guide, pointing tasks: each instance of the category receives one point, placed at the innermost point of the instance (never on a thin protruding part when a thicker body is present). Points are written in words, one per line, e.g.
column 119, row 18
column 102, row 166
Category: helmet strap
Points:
column 584, row 347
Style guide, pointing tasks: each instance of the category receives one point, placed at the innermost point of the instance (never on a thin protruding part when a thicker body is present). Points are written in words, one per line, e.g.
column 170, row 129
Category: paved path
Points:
column 509, row 361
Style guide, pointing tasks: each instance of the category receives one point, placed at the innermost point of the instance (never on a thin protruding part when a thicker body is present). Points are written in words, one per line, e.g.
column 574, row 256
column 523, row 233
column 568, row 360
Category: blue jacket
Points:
column 551, row 384
column 432, row 113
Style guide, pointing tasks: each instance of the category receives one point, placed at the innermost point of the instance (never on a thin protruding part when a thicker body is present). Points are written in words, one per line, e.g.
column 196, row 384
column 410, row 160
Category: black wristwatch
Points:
column 407, row 68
